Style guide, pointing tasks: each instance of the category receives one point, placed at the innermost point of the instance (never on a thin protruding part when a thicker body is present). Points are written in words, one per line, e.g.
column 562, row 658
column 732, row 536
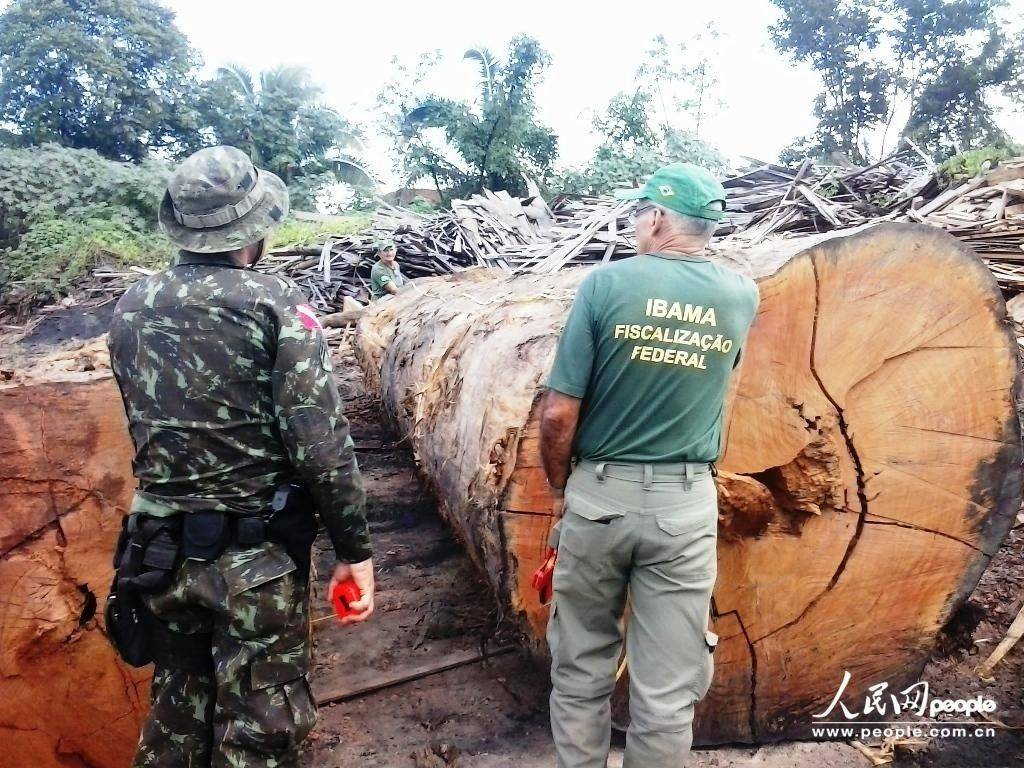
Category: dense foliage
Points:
column 938, row 60
column 111, row 75
column 63, row 210
column 117, row 76
column 280, row 123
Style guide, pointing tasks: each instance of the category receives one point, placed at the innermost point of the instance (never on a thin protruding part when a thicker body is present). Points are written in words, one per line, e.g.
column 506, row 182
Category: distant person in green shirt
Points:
column 386, row 277
column 637, row 396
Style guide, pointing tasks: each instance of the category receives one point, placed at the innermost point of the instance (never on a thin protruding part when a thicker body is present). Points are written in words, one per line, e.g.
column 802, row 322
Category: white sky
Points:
column 595, row 50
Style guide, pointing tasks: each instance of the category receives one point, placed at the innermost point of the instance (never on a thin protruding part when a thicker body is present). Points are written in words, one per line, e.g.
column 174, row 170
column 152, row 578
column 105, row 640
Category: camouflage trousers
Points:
column 256, row 707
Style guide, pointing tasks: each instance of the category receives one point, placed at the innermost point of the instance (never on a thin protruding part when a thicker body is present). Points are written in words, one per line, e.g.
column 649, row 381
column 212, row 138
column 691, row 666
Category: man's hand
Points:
column 362, row 574
column 557, row 503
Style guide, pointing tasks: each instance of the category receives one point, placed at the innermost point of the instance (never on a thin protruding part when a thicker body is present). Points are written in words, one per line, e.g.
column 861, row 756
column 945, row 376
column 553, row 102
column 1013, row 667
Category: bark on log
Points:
column 872, row 465
column 65, row 481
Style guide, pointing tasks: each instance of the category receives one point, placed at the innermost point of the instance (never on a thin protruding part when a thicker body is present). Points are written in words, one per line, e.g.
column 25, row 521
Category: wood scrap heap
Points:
column 766, row 202
column 473, row 233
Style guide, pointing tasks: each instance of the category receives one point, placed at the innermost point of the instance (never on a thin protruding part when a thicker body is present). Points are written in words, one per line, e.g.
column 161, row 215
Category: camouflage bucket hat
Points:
column 217, row 200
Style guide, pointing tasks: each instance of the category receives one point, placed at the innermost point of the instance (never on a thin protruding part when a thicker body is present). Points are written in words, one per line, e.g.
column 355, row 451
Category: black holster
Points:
column 293, row 525
column 147, row 557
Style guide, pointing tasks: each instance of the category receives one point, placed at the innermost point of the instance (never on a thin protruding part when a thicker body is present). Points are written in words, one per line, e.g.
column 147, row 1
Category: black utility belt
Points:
column 198, row 535
column 150, row 550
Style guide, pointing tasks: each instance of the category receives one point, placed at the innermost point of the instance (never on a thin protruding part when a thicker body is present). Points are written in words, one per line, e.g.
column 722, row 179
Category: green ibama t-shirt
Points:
column 649, row 346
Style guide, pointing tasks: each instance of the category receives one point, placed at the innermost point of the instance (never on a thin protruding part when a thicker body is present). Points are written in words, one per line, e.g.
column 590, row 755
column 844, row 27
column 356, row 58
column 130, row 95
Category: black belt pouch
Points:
column 205, row 535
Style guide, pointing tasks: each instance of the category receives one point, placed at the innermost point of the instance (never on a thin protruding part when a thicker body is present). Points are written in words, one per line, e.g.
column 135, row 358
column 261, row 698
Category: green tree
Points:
column 494, row 141
column 681, row 77
column 936, row 59
column 110, row 75
column 658, row 123
column 280, row 122
column 633, row 147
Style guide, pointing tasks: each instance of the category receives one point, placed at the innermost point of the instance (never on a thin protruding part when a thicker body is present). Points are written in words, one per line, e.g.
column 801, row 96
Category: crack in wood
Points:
column 752, row 715
column 911, row 526
column 854, row 456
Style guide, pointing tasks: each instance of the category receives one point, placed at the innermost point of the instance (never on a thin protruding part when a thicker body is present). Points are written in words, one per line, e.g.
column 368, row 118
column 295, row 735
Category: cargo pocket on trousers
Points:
column 583, row 524
column 263, row 604
column 254, row 569
column 677, row 526
column 286, row 687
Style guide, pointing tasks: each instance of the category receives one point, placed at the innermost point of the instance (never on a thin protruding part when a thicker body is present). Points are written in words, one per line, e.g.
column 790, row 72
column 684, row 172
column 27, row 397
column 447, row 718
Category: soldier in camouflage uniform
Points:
column 226, row 380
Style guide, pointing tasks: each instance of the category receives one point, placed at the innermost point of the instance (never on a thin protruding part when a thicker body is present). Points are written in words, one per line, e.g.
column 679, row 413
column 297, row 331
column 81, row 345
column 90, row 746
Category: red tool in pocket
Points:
column 345, row 593
column 543, row 577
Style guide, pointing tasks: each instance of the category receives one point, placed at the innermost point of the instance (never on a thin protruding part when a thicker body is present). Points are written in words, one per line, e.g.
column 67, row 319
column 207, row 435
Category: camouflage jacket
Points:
column 227, row 384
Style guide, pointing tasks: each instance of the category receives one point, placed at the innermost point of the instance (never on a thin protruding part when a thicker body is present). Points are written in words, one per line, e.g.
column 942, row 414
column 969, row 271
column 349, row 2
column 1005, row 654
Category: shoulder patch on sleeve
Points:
column 308, row 317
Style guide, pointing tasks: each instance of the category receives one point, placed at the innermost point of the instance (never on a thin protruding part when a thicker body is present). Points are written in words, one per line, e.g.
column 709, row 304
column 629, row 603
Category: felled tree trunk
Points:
column 872, row 464
column 65, row 482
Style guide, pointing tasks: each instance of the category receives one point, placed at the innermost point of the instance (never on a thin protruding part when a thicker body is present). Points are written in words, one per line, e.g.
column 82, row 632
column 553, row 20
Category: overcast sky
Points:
column 595, row 49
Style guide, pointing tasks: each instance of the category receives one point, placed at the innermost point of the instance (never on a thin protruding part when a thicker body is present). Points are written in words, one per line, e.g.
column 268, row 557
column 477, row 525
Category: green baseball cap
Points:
column 382, row 244
column 684, row 188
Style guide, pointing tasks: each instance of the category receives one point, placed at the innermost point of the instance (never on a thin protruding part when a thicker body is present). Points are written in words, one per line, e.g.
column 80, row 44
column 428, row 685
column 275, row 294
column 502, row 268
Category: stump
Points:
column 872, row 464
column 65, row 480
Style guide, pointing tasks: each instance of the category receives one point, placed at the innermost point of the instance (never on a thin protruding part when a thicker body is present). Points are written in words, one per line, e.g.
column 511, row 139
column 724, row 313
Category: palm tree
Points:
column 284, row 127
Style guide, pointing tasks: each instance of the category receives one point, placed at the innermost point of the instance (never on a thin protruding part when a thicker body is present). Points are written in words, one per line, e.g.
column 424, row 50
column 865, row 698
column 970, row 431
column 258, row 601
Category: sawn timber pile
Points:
column 867, row 480
column 765, row 202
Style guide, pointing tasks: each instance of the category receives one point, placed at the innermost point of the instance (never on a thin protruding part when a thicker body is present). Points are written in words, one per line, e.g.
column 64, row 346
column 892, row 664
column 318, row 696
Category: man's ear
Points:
column 255, row 252
column 659, row 220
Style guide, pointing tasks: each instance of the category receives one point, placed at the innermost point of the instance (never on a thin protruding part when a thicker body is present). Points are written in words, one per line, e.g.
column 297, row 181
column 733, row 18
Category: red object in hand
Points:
column 345, row 593
column 544, row 576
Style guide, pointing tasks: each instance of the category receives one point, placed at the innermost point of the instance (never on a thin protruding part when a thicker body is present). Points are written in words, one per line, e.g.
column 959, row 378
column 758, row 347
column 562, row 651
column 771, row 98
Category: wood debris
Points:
column 765, row 202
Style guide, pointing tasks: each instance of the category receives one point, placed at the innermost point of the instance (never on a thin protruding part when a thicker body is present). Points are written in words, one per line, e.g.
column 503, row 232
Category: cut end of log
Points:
column 65, row 698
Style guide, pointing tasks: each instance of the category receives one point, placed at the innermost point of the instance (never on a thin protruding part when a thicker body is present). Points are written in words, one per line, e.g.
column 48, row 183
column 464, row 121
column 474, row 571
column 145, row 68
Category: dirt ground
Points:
column 433, row 606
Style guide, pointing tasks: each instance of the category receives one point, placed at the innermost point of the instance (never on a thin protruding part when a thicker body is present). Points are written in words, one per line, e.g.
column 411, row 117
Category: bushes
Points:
column 53, row 178
column 57, row 250
column 62, row 211
column 969, row 164
column 65, row 211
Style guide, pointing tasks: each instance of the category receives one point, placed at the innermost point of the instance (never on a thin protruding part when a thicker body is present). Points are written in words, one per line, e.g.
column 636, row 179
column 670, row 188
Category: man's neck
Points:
column 679, row 246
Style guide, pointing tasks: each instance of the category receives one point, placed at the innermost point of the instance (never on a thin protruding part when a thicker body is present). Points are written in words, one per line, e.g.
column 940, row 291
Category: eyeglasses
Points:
column 636, row 213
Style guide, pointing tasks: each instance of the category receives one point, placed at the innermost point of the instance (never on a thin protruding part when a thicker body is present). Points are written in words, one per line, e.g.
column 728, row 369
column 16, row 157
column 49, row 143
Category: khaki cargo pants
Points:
column 649, row 531
column 256, row 707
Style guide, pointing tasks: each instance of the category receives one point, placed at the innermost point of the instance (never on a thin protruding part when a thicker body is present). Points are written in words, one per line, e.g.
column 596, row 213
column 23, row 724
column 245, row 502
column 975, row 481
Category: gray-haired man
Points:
column 637, row 396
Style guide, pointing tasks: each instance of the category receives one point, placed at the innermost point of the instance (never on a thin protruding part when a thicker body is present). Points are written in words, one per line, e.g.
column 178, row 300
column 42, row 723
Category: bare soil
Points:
column 432, row 605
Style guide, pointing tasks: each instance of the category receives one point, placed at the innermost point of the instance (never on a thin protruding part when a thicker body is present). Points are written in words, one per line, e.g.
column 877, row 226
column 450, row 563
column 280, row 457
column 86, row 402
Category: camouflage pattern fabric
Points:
column 228, row 387
column 218, row 201
column 256, row 708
